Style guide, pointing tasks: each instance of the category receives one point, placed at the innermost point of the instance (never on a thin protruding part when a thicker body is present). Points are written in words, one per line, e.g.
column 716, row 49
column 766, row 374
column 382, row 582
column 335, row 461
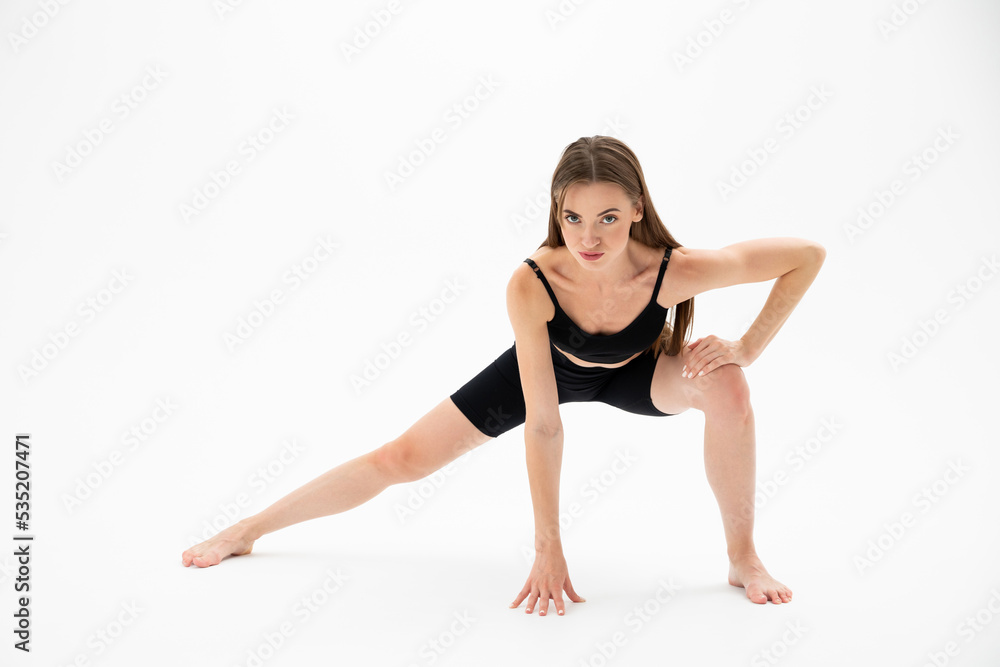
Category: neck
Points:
column 621, row 269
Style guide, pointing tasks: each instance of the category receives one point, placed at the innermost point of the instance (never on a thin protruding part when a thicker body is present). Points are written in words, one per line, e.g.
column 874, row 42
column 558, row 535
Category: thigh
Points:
column 493, row 401
column 432, row 442
column 672, row 393
column 668, row 390
column 484, row 407
column 629, row 387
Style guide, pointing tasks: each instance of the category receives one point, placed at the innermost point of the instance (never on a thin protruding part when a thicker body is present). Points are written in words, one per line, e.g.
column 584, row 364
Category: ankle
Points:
column 743, row 554
column 249, row 528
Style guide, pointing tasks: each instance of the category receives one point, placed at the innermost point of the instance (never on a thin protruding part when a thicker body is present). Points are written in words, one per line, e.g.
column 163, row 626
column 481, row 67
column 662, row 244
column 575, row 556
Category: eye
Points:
column 605, row 218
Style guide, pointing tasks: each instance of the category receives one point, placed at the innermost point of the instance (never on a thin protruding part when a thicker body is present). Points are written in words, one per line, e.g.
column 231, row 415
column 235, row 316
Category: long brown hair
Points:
column 602, row 159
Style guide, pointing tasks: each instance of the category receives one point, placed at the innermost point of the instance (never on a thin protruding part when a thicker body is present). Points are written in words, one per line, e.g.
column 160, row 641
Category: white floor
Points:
column 646, row 552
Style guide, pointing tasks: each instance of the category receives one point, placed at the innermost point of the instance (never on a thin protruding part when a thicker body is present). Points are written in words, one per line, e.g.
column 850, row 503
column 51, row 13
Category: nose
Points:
column 590, row 240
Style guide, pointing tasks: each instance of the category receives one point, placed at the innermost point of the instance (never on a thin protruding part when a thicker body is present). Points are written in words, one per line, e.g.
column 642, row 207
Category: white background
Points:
column 465, row 215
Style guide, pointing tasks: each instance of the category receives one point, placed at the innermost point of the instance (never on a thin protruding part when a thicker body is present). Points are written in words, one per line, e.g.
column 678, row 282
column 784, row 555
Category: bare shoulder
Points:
column 547, row 257
column 680, row 261
column 677, row 278
column 527, row 300
column 693, row 271
column 529, row 309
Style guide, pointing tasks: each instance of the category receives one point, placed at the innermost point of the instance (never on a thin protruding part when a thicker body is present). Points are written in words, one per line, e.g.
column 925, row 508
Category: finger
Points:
column 543, row 608
column 531, row 602
column 520, row 596
column 706, row 365
column 696, row 362
column 695, row 349
column 711, row 360
column 715, row 363
column 573, row 595
column 687, row 356
column 708, row 350
column 559, row 603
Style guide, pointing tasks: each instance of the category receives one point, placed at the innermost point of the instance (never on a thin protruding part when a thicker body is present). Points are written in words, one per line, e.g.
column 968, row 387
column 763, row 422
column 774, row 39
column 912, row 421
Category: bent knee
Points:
column 724, row 390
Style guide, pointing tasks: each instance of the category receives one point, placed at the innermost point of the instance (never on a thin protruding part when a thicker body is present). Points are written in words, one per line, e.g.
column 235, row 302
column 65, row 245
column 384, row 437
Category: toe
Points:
column 206, row 561
column 756, row 595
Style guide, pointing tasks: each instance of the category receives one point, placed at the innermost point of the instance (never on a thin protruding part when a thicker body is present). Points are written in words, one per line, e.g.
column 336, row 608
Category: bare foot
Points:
column 233, row 541
column 748, row 572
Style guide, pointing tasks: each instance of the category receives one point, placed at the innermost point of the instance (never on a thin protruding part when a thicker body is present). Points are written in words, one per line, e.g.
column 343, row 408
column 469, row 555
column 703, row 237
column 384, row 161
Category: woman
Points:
column 577, row 337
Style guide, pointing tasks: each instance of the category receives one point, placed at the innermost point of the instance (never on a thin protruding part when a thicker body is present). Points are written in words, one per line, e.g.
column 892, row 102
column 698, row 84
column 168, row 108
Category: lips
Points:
column 591, row 255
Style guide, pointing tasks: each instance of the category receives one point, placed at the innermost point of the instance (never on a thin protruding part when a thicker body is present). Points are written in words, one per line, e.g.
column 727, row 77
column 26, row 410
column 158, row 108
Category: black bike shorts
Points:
column 494, row 401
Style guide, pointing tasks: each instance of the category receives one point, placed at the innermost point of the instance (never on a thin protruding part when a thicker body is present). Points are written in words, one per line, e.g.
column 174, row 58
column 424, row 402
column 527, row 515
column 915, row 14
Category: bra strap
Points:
column 663, row 269
column 541, row 276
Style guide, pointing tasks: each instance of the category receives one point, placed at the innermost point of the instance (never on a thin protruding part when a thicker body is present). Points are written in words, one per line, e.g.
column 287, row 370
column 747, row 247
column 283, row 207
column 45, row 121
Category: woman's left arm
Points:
column 794, row 262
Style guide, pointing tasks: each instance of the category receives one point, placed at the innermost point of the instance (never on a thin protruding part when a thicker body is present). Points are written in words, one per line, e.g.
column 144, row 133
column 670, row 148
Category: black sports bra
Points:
column 607, row 348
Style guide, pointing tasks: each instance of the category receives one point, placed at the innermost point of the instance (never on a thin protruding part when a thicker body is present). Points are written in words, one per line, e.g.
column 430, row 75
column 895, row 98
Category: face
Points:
column 595, row 222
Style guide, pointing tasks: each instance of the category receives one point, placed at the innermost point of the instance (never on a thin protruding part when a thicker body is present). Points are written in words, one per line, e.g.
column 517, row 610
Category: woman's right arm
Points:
column 543, row 439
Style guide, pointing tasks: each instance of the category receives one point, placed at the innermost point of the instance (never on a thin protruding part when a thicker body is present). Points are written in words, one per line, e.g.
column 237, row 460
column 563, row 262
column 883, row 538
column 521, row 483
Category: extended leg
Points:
column 439, row 437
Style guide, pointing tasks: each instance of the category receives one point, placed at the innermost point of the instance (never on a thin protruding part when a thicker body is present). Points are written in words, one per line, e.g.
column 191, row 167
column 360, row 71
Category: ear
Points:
column 640, row 207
